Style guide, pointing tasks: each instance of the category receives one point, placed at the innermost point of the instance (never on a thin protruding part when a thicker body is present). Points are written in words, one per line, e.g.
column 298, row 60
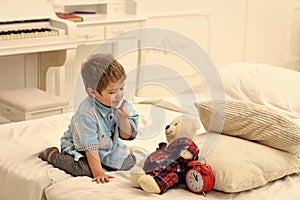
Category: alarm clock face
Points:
column 194, row 181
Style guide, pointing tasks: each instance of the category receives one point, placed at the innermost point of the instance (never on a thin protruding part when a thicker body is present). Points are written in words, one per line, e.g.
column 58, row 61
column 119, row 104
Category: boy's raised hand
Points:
column 122, row 112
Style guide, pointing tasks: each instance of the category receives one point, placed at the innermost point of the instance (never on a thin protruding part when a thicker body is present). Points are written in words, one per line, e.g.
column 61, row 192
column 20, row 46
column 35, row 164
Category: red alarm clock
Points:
column 199, row 178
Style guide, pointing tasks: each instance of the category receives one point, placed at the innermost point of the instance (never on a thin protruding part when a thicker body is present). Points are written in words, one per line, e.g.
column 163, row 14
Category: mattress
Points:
column 26, row 177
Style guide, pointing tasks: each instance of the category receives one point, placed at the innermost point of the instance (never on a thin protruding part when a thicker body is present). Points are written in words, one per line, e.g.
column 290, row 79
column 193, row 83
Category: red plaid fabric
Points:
column 165, row 164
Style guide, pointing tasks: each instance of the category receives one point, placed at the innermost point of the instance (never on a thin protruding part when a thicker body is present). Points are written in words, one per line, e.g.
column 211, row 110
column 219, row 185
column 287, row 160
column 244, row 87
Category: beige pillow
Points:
column 252, row 122
column 239, row 164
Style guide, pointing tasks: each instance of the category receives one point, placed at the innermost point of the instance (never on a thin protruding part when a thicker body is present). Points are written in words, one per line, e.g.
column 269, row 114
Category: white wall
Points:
column 273, row 30
column 266, row 31
column 229, row 30
column 234, row 30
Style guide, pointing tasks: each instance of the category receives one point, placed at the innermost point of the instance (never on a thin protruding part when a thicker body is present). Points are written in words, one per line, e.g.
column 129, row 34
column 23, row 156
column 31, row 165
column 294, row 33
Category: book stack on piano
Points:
column 69, row 16
column 89, row 15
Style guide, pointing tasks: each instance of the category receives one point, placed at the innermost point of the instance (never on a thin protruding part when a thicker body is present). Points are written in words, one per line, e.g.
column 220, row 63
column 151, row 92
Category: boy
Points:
column 93, row 139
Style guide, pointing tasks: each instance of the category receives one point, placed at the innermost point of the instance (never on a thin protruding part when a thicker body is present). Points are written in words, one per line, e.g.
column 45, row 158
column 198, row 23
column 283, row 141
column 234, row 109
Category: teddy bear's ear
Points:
column 176, row 120
column 189, row 126
column 189, row 121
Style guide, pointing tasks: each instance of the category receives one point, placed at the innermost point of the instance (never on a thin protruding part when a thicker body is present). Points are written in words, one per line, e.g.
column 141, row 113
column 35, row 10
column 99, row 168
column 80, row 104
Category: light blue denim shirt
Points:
column 94, row 126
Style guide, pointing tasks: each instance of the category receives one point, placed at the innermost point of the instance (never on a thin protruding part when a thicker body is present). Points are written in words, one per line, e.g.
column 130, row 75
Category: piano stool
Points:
column 30, row 103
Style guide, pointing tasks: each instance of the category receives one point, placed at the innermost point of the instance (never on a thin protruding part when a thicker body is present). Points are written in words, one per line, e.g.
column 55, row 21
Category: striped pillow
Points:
column 240, row 165
column 252, row 122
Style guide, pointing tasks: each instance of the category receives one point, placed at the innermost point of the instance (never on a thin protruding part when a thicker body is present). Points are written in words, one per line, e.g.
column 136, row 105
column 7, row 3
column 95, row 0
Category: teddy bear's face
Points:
column 182, row 126
column 172, row 129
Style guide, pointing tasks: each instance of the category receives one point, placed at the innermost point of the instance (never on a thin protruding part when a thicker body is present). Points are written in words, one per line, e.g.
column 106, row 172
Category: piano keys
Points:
column 29, row 29
column 11, row 34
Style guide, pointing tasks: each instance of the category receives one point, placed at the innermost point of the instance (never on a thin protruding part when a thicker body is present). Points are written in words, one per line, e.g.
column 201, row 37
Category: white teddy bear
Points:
column 171, row 158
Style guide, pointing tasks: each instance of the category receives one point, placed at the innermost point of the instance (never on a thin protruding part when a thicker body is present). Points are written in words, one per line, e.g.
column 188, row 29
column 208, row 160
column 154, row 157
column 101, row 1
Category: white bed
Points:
column 25, row 176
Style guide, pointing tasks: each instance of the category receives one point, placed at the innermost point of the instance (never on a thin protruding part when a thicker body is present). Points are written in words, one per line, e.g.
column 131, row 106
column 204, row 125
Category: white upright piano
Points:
column 34, row 42
column 41, row 54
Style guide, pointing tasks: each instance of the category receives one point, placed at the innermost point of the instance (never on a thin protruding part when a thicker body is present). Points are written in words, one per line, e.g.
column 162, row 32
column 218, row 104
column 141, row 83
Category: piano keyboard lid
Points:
column 25, row 10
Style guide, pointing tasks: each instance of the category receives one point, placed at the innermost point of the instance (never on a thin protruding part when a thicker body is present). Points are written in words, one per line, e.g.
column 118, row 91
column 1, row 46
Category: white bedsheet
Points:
column 23, row 174
column 26, row 177
column 119, row 188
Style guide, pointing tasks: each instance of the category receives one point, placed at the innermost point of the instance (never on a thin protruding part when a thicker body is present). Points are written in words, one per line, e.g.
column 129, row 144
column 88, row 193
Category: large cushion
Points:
column 240, row 165
column 253, row 122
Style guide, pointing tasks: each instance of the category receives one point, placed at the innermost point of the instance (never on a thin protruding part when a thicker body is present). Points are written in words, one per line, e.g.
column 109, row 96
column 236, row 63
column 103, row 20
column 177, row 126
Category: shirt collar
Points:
column 103, row 109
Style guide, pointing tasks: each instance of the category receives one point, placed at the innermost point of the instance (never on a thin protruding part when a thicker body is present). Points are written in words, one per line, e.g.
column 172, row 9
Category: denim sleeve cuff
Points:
column 134, row 130
column 89, row 147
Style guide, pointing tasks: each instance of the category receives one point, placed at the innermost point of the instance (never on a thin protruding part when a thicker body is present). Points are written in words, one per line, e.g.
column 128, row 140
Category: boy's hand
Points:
column 124, row 125
column 122, row 112
column 102, row 178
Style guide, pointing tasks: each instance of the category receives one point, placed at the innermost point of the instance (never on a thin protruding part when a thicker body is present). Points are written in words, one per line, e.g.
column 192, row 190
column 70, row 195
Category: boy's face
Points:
column 112, row 95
